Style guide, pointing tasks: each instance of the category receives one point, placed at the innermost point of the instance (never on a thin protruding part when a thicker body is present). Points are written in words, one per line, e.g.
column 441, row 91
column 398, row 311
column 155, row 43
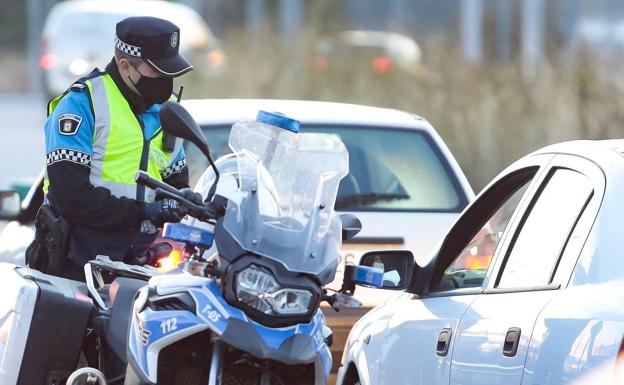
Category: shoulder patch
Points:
column 69, row 124
column 78, row 87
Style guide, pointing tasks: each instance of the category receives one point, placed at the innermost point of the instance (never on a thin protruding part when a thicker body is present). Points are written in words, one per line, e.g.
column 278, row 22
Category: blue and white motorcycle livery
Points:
column 277, row 245
column 243, row 307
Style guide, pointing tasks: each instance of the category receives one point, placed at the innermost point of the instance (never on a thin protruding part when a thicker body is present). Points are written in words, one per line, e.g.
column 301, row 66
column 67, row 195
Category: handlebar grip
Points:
column 166, row 190
column 142, row 178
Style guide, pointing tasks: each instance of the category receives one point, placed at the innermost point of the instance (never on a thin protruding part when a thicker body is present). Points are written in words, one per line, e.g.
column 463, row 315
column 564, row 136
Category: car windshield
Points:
column 92, row 29
column 390, row 169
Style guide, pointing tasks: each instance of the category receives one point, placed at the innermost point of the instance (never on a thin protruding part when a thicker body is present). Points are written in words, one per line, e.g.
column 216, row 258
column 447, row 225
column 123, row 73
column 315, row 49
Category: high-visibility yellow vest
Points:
column 119, row 146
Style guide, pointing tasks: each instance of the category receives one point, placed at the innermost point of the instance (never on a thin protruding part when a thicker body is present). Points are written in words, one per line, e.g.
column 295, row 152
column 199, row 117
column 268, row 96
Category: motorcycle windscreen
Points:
column 284, row 206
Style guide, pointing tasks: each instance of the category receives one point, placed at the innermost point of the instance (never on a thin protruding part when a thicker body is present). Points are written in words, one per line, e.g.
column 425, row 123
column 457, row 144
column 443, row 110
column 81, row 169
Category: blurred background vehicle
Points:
column 79, row 35
column 380, row 51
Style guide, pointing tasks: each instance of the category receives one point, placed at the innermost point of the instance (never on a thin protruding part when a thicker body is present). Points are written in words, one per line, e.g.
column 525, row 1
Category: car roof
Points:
column 228, row 111
column 585, row 148
column 616, row 145
column 127, row 6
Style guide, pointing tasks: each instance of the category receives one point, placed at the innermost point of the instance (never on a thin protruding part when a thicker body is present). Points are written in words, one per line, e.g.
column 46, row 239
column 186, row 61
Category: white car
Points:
column 79, row 35
column 526, row 288
column 403, row 183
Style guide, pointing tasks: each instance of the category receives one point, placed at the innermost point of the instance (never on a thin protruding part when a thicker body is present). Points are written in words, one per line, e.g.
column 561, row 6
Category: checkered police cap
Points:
column 128, row 49
column 154, row 40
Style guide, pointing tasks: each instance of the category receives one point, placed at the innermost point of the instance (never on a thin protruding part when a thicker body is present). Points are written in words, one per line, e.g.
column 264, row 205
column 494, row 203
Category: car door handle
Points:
column 512, row 340
column 444, row 340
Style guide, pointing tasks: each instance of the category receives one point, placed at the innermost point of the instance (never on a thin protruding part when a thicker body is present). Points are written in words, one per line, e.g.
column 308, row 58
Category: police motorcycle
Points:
column 243, row 308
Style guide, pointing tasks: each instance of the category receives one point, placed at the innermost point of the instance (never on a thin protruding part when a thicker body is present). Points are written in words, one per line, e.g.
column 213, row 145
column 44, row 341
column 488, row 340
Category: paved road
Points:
column 22, row 137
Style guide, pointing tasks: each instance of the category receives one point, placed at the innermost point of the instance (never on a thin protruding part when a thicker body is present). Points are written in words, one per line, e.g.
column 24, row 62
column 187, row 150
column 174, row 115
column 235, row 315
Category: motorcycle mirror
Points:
column 351, row 226
column 177, row 121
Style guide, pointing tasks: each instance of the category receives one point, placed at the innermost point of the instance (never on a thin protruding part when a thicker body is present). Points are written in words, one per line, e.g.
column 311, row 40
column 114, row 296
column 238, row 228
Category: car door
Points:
column 582, row 316
column 418, row 342
column 494, row 333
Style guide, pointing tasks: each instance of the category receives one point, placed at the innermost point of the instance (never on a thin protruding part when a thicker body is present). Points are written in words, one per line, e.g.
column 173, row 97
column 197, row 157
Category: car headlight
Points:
column 257, row 287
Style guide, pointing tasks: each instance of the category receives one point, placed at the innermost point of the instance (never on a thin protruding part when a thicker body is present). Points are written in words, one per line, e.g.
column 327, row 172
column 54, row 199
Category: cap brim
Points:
column 172, row 66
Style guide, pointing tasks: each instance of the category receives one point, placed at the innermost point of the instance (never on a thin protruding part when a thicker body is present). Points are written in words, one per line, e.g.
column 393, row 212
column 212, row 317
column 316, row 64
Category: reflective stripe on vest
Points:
column 118, row 143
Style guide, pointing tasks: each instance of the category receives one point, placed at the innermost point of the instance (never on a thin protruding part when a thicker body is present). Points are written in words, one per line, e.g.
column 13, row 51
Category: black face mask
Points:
column 153, row 90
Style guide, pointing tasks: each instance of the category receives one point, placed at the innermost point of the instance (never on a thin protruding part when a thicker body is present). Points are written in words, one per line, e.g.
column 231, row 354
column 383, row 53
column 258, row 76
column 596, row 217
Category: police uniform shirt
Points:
column 69, row 132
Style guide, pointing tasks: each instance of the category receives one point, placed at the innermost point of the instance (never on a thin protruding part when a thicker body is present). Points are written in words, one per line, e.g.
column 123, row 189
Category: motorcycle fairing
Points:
column 151, row 331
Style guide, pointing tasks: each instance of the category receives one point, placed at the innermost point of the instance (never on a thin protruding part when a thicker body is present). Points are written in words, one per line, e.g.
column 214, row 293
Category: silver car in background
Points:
column 79, row 35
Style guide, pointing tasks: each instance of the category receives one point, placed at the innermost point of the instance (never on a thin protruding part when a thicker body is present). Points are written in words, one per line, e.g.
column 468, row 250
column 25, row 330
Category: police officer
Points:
column 103, row 130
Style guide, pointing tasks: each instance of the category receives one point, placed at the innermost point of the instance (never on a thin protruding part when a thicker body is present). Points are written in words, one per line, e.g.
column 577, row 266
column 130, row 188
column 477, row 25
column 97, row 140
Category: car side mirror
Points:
column 351, row 226
column 10, row 205
column 397, row 266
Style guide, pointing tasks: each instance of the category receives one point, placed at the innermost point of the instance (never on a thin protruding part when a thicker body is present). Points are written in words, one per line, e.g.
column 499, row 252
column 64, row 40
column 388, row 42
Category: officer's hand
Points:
column 192, row 196
column 165, row 210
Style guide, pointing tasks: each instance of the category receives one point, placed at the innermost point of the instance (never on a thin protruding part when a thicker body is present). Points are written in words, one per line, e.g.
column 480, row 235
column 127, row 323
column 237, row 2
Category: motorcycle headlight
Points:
column 257, row 287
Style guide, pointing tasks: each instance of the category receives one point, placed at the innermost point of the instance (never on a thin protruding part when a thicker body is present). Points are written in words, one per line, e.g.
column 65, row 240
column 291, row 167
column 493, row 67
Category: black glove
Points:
column 192, row 196
column 165, row 210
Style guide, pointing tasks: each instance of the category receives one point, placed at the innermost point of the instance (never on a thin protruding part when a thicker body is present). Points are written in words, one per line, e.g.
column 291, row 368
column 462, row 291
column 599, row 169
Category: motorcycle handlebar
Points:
column 163, row 189
column 144, row 179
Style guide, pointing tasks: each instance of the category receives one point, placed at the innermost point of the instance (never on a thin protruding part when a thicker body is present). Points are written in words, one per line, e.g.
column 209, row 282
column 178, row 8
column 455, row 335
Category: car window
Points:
column 470, row 266
column 545, row 231
column 389, row 169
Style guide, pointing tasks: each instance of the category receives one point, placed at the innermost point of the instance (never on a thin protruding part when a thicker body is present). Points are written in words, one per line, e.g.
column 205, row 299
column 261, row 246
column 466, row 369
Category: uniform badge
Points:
column 69, row 124
column 174, row 39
